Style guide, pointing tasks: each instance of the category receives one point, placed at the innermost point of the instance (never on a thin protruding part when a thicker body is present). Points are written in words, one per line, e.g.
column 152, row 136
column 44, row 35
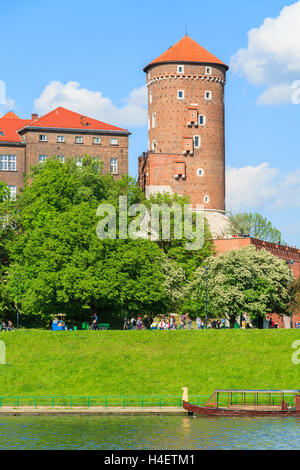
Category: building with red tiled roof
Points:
column 61, row 133
column 186, row 133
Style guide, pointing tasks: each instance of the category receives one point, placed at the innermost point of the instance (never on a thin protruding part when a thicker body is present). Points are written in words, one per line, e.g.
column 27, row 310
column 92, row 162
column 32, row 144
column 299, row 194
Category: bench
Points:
column 104, row 326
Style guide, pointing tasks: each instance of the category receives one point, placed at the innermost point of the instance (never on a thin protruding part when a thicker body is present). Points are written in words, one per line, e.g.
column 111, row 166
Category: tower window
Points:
column 200, row 172
column 154, row 145
column 150, row 97
column 180, row 68
column 197, row 141
column 206, row 199
column 208, row 70
column 180, row 94
column 202, row 120
column 208, row 95
column 154, row 120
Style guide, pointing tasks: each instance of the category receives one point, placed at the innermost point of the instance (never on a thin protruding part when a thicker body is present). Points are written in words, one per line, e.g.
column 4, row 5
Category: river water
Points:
column 147, row 433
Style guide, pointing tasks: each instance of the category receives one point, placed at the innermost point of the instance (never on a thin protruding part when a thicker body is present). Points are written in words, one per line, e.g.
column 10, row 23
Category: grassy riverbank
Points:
column 147, row 362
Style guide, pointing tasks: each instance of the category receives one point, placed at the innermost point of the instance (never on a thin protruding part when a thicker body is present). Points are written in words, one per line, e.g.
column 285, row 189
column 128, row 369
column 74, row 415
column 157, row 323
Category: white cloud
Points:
column 94, row 104
column 255, row 187
column 272, row 57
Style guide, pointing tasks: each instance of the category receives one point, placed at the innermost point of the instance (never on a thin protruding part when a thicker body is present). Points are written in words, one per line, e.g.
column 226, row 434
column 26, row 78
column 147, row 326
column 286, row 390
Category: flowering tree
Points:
column 246, row 280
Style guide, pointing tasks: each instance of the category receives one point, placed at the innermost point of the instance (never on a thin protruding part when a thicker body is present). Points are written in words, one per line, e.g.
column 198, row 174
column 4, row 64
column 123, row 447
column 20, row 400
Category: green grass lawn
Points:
column 146, row 362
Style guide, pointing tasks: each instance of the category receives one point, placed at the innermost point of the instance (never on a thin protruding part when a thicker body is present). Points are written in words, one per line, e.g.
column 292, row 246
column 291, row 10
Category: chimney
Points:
column 34, row 116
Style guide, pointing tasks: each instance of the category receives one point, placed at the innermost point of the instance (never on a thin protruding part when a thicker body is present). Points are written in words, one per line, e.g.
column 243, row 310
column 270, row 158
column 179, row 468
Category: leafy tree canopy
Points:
column 246, row 280
column 254, row 225
column 59, row 265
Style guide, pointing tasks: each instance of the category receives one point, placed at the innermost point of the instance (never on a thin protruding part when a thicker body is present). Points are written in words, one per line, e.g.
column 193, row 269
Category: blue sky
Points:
column 89, row 56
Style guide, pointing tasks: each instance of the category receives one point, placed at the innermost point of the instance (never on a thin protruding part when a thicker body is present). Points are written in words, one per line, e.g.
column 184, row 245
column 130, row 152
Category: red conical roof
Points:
column 10, row 115
column 186, row 50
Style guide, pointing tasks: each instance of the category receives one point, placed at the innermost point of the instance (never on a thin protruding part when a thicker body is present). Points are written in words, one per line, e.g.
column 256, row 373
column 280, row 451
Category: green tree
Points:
column 254, row 225
column 176, row 250
column 57, row 259
column 175, row 284
column 246, row 280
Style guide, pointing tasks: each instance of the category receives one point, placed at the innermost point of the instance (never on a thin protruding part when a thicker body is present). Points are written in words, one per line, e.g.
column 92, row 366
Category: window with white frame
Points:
column 96, row 140
column 153, row 119
column 79, row 161
column 61, row 139
column 200, row 172
column 61, row 158
column 8, row 163
column 208, row 70
column 180, row 94
column 78, row 139
column 197, row 141
column 208, row 95
column 180, row 68
column 206, row 199
column 150, row 97
column 42, row 158
column 12, row 191
column 42, row 138
column 113, row 166
column 202, row 120
column 114, row 141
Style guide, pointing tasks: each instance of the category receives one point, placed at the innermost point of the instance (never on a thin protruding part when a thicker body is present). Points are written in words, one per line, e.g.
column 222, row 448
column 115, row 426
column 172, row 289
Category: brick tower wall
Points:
column 173, row 135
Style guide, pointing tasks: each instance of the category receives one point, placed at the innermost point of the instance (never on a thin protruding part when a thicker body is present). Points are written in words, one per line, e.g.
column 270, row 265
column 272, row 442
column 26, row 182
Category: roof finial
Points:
column 186, row 28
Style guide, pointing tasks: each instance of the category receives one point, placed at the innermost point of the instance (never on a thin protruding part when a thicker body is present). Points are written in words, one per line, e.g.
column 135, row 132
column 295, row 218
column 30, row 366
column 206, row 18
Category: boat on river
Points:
column 246, row 403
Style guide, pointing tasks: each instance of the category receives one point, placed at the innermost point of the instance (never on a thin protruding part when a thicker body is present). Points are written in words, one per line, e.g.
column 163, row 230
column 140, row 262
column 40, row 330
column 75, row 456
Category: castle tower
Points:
column 186, row 144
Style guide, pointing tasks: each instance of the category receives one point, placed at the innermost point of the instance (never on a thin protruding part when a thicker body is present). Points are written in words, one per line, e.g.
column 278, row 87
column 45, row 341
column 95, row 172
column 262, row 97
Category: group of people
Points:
column 7, row 326
column 136, row 323
column 273, row 324
column 184, row 322
column 162, row 323
column 217, row 324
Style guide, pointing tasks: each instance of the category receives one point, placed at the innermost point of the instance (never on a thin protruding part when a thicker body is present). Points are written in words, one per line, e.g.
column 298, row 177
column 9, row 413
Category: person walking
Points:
column 198, row 321
column 95, row 322
column 3, row 326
